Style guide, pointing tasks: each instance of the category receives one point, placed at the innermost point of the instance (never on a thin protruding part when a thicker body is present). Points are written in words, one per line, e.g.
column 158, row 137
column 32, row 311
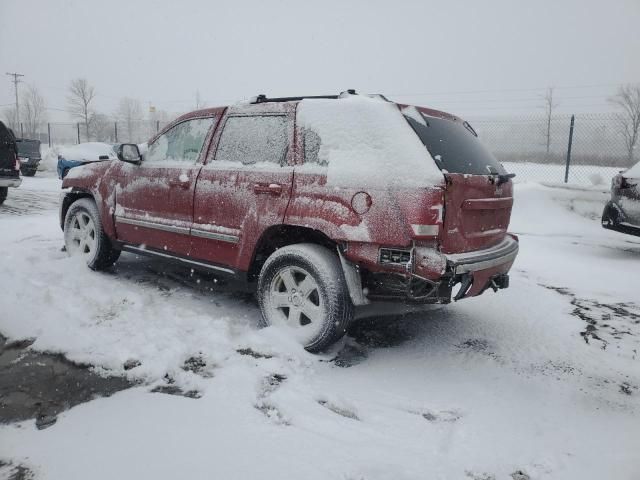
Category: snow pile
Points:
column 49, row 156
column 367, row 143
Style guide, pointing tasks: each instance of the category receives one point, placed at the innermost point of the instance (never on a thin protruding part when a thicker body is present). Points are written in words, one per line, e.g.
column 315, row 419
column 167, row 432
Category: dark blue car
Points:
column 82, row 153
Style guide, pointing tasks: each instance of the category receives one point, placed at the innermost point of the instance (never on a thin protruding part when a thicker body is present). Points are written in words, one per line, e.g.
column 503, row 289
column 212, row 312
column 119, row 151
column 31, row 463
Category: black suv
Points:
column 28, row 155
column 9, row 164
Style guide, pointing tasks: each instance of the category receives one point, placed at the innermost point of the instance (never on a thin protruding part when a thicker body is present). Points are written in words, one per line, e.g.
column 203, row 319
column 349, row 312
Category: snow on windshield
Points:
column 90, row 151
column 367, row 142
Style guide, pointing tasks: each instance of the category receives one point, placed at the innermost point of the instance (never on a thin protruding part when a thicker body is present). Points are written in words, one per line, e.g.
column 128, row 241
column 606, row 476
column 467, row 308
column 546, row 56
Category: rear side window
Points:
column 254, row 139
column 454, row 147
column 181, row 144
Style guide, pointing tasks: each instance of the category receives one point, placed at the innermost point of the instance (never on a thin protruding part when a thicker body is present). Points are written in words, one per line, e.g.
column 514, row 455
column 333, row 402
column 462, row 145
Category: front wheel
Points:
column 84, row 236
column 3, row 194
column 302, row 288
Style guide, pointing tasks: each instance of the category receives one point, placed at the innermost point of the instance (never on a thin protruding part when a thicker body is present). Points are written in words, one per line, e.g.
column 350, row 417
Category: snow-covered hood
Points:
column 89, row 152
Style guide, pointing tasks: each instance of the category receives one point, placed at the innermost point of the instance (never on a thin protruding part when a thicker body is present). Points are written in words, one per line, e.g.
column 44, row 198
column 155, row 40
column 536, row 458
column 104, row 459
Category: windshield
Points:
column 28, row 146
column 454, row 147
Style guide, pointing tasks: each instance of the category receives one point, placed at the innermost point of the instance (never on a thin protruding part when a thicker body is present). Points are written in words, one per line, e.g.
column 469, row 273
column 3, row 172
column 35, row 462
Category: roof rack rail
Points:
column 262, row 98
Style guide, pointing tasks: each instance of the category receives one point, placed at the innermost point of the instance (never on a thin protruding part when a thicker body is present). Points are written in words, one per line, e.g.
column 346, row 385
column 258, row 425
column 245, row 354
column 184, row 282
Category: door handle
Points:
column 271, row 189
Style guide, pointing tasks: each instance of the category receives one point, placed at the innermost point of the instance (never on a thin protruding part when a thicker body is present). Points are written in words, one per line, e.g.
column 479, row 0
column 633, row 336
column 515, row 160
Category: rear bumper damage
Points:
column 468, row 274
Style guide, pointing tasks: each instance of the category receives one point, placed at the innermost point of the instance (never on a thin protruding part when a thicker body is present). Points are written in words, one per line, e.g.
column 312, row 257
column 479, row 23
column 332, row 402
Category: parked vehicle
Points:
column 82, row 153
column 9, row 164
column 29, row 156
column 622, row 212
column 318, row 204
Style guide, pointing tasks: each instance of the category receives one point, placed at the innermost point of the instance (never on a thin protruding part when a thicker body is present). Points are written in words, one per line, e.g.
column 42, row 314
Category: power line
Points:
column 16, row 80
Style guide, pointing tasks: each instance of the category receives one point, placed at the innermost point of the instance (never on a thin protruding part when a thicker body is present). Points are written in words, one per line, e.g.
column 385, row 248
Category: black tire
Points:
column 323, row 266
column 29, row 173
column 103, row 255
column 4, row 191
column 610, row 216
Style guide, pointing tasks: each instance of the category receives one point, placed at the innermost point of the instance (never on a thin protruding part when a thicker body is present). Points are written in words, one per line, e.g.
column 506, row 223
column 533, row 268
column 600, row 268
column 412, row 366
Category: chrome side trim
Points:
column 146, row 251
column 215, row 236
column 157, row 226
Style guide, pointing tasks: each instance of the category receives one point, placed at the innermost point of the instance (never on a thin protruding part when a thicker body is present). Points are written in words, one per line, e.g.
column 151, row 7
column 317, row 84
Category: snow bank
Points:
column 367, row 143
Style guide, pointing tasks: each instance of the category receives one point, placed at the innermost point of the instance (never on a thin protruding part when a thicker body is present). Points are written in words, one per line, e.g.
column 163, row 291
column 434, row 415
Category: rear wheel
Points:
column 302, row 288
column 3, row 194
column 84, row 236
column 28, row 173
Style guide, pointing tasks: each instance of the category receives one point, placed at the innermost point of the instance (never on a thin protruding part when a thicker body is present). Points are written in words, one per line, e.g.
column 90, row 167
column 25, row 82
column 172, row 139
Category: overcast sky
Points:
column 468, row 57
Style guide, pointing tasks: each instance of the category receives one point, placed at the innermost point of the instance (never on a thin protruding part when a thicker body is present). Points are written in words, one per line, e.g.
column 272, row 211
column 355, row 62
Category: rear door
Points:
column 478, row 201
column 245, row 186
column 154, row 200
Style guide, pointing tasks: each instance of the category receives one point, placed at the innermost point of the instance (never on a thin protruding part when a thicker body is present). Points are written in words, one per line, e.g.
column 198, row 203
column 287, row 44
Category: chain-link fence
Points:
column 534, row 147
column 588, row 150
column 100, row 130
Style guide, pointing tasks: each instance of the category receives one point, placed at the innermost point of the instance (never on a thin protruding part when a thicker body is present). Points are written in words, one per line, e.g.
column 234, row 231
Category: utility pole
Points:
column 16, row 80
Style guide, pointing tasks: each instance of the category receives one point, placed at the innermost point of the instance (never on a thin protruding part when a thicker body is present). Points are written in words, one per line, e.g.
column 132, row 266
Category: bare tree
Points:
column 11, row 117
column 130, row 112
column 549, row 106
column 628, row 100
column 34, row 109
column 102, row 128
column 81, row 94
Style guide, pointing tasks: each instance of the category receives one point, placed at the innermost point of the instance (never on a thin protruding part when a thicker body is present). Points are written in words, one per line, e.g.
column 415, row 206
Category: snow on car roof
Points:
column 367, row 141
column 633, row 172
column 90, row 151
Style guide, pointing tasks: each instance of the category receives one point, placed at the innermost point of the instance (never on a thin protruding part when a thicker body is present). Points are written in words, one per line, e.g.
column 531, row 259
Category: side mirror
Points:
column 129, row 152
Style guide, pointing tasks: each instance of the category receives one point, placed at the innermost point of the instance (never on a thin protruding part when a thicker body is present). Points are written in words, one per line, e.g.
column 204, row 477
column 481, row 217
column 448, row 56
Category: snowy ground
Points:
column 541, row 378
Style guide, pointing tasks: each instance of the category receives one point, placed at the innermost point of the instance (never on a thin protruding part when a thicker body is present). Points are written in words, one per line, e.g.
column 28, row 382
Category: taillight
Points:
column 16, row 164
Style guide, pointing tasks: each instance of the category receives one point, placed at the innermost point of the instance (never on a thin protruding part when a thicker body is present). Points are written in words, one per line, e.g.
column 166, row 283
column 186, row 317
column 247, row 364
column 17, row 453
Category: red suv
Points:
column 319, row 204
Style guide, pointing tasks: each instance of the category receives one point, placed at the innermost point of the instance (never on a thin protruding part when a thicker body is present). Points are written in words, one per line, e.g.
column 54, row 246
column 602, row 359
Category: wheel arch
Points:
column 279, row 236
column 69, row 198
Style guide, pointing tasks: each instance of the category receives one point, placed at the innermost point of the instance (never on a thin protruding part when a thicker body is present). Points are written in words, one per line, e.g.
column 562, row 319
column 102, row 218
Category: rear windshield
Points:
column 454, row 147
column 28, row 146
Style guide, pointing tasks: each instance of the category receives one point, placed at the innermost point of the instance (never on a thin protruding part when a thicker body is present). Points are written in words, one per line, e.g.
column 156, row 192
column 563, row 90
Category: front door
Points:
column 245, row 186
column 154, row 201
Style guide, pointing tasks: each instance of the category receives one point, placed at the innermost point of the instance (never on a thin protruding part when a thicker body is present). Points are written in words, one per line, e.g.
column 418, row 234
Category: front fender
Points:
column 92, row 180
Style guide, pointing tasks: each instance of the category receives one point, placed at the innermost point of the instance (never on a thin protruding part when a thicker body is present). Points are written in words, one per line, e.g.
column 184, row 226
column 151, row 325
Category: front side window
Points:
column 181, row 144
column 254, row 139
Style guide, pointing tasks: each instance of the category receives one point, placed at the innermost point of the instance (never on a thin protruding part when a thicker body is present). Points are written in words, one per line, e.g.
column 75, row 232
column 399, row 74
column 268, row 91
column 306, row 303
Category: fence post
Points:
column 115, row 130
column 157, row 126
column 21, row 131
column 49, row 133
column 566, row 170
column 78, row 128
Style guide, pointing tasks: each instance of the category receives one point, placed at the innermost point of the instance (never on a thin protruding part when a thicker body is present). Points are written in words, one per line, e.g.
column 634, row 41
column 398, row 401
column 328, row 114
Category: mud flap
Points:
column 354, row 282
